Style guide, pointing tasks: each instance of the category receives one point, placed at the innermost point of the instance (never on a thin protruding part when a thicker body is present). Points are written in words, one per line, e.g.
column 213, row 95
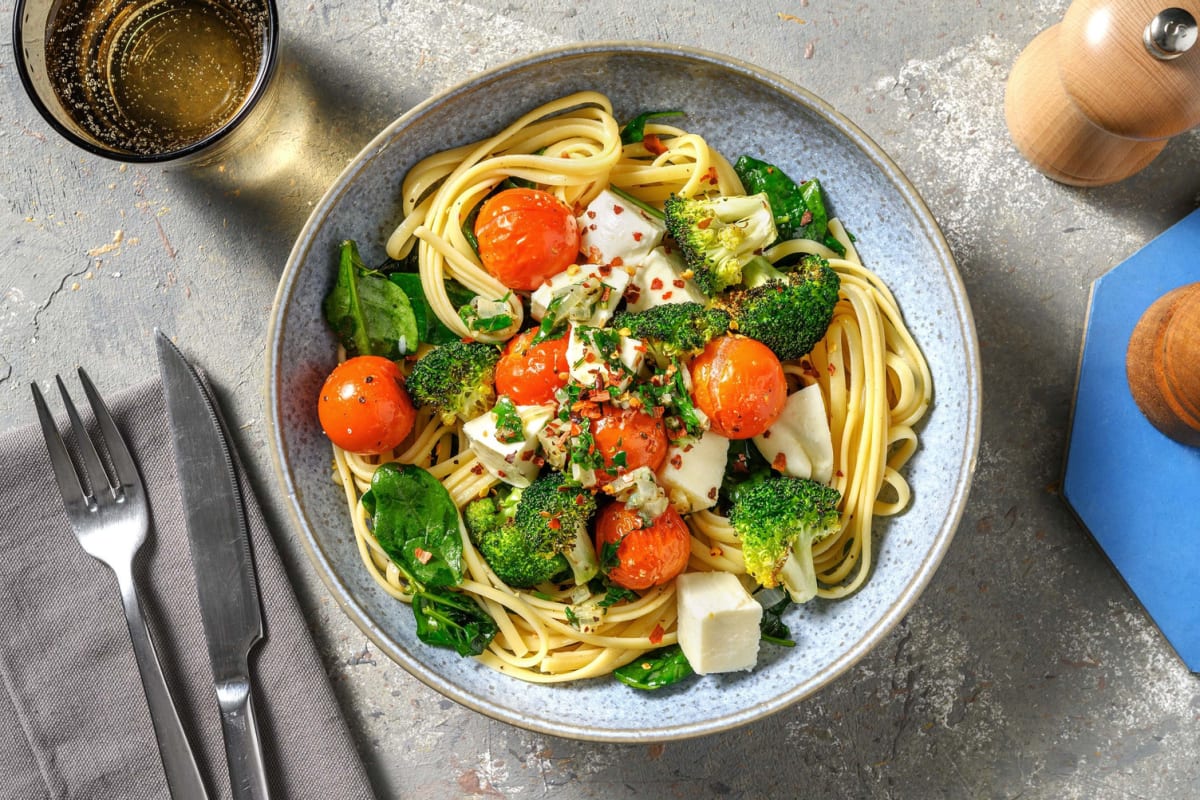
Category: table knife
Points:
column 220, row 545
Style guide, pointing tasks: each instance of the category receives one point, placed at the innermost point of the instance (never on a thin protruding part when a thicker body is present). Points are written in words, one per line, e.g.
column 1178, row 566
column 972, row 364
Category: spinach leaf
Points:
column 429, row 328
column 772, row 628
column 635, row 130
column 799, row 209
column 451, row 619
column 370, row 314
column 656, row 669
column 416, row 524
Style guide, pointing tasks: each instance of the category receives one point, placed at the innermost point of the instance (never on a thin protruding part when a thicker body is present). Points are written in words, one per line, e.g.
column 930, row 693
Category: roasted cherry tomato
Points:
column 628, row 439
column 739, row 383
column 530, row 373
column 648, row 555
column 364, row 407
column 525, row 236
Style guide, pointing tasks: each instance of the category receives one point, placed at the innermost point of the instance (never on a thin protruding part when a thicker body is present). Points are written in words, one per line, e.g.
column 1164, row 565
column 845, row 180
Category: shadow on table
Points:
column 266, row 189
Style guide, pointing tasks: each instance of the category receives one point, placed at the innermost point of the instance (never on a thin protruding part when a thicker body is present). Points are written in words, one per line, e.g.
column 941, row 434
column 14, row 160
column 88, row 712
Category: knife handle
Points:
column 243, row 747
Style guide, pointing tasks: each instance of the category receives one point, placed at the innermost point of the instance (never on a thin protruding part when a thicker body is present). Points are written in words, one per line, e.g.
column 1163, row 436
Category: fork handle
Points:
column 178, row 760
column 243, row 747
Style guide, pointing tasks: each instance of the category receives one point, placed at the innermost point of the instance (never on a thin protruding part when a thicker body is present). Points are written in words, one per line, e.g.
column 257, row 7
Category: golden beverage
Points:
column 155, row 76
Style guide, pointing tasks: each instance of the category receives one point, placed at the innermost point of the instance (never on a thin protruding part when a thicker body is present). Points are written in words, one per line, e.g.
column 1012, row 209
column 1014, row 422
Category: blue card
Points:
column 1136, row 490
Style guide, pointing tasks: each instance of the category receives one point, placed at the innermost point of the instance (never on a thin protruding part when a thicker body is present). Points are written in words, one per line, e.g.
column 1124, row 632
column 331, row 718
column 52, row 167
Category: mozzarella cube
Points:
column 693, row 470
column 596, row 290
column 718, row 622
column 659, row 280
column 799, row 443
column 511, row 462
column 588, row 363
column 615, row 231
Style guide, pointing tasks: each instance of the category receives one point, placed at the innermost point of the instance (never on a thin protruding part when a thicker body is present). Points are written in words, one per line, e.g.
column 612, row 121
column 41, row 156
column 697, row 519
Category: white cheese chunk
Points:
column 588, row 364
column 693, row 471
column 718, row 622
column 512, row 462
column 591, row 293
column 615, row 231
column 659, row 280
column 799, row 442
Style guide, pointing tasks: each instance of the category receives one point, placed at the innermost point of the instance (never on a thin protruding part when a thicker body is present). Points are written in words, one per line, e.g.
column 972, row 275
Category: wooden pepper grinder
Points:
column 1095, row 98
column 1163, row 364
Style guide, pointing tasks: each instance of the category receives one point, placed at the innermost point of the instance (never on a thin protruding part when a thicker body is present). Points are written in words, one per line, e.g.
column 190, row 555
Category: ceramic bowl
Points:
column 739, row 109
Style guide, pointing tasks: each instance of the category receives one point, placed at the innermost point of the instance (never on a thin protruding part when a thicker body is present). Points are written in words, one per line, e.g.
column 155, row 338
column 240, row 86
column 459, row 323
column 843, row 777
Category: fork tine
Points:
column 93, row 467
column 64, row 470
column 114, row 442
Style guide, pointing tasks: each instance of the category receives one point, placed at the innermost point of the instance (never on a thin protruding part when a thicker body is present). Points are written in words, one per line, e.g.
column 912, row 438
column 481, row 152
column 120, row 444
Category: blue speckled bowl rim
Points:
column 966, row 460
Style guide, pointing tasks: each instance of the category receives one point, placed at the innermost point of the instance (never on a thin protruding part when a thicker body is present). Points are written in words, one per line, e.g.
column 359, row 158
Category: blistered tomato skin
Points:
column 640, row 437
column 531, row 373
column 739, row 383
column 526, row 236
column 648, row 556
column 364, row 407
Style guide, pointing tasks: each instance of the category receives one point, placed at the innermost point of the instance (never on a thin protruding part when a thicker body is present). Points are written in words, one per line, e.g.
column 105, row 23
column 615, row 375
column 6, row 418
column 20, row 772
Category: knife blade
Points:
column 219, row 540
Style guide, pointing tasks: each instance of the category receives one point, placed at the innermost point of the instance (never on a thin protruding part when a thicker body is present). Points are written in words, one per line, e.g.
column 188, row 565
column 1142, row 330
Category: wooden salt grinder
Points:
column 1095, row 98
column 1163, row 364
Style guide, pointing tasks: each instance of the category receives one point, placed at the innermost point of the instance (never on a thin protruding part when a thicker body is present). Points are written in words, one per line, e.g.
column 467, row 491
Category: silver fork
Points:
column 111, row 520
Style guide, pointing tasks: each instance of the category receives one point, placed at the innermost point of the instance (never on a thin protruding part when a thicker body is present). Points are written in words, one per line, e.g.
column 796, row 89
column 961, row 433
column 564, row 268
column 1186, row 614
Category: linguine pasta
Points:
column 873, row 377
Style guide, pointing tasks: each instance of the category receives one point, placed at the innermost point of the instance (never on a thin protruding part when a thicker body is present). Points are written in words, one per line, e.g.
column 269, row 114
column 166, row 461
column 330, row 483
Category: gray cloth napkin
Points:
column 73, row 716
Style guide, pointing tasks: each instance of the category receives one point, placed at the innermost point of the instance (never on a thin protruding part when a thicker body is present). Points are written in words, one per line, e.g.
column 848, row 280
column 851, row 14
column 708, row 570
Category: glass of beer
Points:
column 175, row 81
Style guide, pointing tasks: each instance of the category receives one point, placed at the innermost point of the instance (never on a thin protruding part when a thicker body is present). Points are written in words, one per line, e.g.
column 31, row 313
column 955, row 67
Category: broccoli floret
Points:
column 678, row 329
column 778, row 519
column 530, row 536
column 457, row 379
column 789, row 311
column 716, row 235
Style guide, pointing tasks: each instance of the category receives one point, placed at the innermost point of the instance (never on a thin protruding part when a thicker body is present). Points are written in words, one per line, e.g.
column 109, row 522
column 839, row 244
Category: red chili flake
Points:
column 618, row 262
column 711, row 176
column 421, row 555
column 841, row 474
column 632, row 293
column 677, row 461
column 678, row 283
column 618, row 209
column 589, row 356
column 591, row 214
column 779, row 463
column 806, row 218
column 716, row 552
column 594, row 256
column 712, row 493
column 527, row 455
column 554, row 524
column 656, row 635
column 766, row 434
column 656, row 284
column 477, row 469
column 704, row 223
column 605, row 270
column 653, row 144
column 667, row 295
column 687, row 448
column 607, row 293
column 637, row 236
column 832, row 369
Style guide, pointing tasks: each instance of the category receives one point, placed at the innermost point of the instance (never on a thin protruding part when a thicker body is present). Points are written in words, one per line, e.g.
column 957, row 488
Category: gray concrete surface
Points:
column 1026, row 669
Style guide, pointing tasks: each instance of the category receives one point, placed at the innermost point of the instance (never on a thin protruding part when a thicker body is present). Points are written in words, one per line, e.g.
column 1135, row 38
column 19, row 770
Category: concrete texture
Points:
column 1026, row 669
